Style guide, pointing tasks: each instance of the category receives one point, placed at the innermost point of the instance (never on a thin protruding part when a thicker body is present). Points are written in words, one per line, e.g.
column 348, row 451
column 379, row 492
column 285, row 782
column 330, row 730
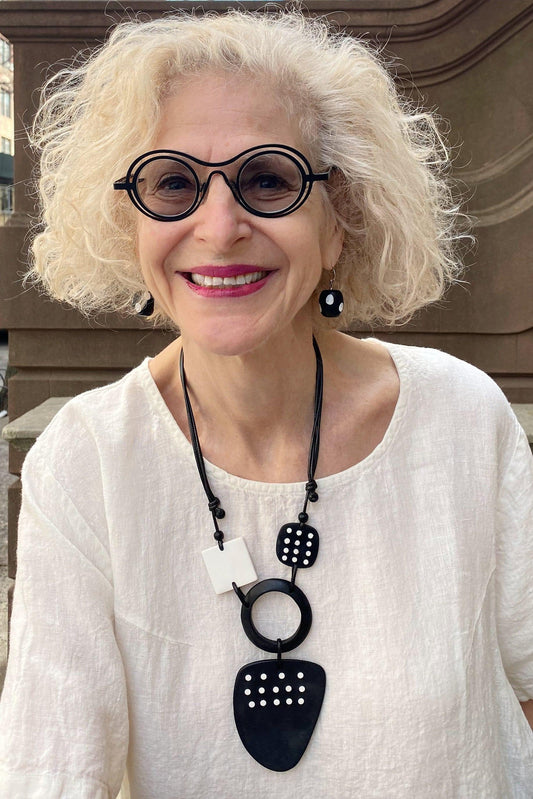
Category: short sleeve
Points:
column 514, row 568
column 63, row 714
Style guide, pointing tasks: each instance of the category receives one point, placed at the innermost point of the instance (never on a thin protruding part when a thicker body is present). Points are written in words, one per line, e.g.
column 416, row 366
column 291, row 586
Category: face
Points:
column 281, row 259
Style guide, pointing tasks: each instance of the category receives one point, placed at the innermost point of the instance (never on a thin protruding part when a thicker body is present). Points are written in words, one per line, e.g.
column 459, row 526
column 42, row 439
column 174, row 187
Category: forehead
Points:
column 215, row 116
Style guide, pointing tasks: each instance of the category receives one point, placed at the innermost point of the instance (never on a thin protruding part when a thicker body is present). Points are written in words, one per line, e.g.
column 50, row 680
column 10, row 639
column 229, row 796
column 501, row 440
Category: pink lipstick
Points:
column 233, row 280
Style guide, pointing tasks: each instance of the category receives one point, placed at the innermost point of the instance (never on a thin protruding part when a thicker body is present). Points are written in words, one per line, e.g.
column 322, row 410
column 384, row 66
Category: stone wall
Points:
column 468, row 59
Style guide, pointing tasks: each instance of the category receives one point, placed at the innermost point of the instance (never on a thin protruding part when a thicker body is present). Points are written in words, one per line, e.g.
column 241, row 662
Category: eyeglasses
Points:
column 270, row 180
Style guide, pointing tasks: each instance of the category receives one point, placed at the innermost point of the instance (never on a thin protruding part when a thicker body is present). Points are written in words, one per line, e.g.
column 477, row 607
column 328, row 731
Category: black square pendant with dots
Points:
column 297, row 545
column 276, row 704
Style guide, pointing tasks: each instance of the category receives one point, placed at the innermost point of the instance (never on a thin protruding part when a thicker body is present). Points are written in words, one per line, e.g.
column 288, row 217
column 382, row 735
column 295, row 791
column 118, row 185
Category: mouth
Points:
column 220, row 282
column 229, row 282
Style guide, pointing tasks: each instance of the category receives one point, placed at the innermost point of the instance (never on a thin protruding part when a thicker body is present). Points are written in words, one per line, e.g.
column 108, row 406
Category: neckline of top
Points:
column 399, row 359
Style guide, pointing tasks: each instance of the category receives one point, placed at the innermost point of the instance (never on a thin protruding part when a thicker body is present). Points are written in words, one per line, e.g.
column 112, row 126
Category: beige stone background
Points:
column 5, row 480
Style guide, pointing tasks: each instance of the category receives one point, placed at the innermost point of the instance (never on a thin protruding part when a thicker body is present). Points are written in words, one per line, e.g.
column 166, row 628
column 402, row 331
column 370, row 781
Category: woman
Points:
column 230, row 175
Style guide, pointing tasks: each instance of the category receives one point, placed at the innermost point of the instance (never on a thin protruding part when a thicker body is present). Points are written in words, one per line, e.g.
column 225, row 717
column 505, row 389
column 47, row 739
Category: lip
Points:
column 216, row 292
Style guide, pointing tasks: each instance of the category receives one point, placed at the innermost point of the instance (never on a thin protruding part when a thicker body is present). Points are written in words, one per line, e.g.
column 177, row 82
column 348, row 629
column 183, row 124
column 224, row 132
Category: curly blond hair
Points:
column 389, row 191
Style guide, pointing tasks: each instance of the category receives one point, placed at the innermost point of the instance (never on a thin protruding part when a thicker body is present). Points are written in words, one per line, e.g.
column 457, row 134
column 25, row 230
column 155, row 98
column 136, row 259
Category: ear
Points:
column 334, row 244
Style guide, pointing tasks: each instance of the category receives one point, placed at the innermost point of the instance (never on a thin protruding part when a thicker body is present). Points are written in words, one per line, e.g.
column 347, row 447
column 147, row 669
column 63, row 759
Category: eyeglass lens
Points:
column 266, row 182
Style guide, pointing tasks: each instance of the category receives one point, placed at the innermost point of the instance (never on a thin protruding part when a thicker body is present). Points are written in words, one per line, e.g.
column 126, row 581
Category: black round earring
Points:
column 144, row 304
column 331, row 300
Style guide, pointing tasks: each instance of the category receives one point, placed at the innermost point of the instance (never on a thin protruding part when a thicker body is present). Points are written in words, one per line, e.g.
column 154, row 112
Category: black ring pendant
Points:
column 281, row 587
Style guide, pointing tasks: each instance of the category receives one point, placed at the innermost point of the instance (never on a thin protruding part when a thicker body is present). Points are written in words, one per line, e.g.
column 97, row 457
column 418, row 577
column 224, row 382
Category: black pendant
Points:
column 331, row 302
column 276, row 704
column 297, row 545
column 275, row 584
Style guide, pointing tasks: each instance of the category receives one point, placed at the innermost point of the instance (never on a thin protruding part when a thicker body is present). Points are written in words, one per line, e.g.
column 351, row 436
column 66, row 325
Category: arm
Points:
column 514, row 561
column 63, row 716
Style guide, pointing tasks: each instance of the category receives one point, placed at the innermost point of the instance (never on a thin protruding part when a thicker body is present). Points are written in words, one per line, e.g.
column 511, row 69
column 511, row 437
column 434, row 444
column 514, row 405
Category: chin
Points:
column 234, row 338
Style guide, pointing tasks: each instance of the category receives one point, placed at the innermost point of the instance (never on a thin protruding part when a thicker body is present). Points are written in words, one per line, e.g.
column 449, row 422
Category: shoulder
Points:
column 457, row 397
column 446, row 377
column 90, row 420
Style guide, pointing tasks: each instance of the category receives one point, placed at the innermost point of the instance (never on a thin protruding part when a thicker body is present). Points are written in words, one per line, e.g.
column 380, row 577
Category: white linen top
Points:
column 422, row 597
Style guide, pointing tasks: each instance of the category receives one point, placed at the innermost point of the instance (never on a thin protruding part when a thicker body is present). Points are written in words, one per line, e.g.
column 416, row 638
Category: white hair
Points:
column 388, row 191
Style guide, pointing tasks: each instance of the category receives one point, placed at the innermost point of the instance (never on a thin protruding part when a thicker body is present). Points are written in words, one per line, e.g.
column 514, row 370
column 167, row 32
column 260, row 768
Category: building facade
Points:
column 7, row 129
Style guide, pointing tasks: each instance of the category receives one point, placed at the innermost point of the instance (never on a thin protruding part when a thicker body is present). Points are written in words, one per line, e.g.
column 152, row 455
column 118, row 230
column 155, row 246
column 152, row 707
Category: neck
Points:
column 255, row 409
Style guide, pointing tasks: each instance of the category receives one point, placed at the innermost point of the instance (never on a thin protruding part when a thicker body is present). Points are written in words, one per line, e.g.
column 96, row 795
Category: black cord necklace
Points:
column 276, row 703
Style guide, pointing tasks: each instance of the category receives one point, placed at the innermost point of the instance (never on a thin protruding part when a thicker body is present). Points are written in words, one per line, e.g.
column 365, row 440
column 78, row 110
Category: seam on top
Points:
column 66, row 540
column 172, row 641
column 54, row 774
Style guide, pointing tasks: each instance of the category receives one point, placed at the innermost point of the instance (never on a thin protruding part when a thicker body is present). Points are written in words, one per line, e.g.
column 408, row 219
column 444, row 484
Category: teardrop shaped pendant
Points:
column 276, row 704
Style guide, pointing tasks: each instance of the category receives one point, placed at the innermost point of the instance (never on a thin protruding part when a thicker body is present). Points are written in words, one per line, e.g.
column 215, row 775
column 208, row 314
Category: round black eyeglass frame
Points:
column 129, row 183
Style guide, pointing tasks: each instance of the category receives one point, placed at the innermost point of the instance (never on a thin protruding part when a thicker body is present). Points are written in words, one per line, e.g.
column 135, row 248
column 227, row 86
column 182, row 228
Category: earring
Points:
column 144, row 304
column 331, row 300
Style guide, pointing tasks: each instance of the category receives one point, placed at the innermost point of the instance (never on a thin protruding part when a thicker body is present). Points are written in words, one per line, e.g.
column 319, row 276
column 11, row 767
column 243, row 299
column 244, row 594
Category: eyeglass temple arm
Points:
column 320, row 176
column 123, row 184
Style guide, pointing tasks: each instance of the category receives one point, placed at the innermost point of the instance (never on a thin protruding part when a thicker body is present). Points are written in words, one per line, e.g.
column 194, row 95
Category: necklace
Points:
column 276, row 702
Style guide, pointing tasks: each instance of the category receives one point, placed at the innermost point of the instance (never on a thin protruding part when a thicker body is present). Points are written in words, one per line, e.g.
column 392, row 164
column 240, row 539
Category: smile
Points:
column 227, row 282
column 222, row 282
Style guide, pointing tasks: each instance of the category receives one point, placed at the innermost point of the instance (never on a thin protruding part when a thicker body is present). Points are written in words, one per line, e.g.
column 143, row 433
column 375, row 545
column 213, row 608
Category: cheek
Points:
column 152, row 245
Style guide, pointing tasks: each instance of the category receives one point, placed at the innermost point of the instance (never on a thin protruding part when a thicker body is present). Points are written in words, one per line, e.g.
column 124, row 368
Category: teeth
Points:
column 237, row 280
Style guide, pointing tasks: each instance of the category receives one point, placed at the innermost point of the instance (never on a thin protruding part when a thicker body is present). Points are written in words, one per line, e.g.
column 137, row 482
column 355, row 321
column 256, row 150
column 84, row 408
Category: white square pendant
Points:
column 232, row 564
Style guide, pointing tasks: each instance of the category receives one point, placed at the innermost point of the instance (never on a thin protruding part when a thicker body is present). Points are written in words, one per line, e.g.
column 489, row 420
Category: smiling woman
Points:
column 288, row 562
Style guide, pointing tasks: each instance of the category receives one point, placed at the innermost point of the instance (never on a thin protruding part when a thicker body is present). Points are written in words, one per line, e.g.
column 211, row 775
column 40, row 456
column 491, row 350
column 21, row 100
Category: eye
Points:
column 267, row 184
column 164, row 178
column 269, row 177
column 174, row 183
column 268, row 181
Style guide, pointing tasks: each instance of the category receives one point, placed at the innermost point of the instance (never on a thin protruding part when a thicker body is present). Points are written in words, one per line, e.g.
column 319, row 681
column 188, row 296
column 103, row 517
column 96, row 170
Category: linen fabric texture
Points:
column 123, row 658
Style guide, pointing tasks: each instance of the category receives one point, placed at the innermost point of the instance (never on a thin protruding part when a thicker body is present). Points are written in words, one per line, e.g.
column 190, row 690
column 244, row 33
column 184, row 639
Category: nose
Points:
column 219, row 219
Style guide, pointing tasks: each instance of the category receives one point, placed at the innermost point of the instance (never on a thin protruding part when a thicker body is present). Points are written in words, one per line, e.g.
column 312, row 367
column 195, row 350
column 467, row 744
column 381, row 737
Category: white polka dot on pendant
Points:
column 330, row 299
